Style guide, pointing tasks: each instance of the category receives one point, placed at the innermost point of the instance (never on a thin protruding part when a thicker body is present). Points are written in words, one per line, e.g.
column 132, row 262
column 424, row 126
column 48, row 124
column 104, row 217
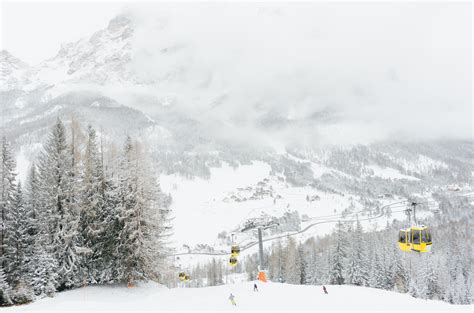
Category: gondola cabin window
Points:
column 416, row 236
column 425, row 236
column 402, row 237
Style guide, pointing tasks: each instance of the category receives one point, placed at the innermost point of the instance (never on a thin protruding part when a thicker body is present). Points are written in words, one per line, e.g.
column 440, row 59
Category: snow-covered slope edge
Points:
column 271, row 296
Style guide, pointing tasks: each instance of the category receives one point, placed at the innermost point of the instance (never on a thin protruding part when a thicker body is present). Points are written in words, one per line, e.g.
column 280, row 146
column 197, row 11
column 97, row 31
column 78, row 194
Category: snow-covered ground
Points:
column 271, row 296
column 388, row 173
column 232, row 195
column 197, row 201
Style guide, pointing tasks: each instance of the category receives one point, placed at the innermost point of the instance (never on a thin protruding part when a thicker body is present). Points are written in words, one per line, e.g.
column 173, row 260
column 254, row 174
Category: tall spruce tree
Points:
column 7, row 191
column 292, row 269
column 43, row 276
column 41, row 266
column 302, row 264
column 400, row 275
column 16, row 241
column 377, row 276
column 357, row 271
column 32, row 214
column 338, row 259
column 5, row 290
column 430, row 288
column 92, row 209
column 57, row 194
column 276, row 262
column 140, row 218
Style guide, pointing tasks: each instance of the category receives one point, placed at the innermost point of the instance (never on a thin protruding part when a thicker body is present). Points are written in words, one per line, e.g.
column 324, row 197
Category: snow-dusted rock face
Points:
column 9, row 64
column 12, row 71
column 68, row 86
column 99, row 59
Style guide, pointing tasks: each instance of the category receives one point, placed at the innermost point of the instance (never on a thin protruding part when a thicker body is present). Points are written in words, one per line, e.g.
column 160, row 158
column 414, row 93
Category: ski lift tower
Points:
column 260, row 224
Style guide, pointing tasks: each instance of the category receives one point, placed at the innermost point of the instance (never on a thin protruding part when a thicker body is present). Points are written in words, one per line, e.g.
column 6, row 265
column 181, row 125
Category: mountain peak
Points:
column 118, row 22
column 7, row 58
column 11, row 70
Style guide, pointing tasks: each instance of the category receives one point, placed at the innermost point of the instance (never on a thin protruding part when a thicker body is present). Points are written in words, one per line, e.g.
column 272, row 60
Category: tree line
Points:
column 351, row 256
column 77, row 220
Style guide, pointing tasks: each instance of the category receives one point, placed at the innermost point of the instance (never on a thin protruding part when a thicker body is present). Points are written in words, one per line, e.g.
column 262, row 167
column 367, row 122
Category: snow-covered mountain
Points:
column 213, row 142
column 96, row 60
column 12, row 70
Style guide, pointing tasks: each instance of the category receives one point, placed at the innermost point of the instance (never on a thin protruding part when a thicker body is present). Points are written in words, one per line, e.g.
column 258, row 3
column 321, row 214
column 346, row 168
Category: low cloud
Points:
column 311, row 72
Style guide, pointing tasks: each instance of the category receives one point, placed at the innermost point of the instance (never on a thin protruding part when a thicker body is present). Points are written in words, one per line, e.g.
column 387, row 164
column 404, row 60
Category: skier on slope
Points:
column 231, row 298
column 255, row 288
column 324, row 289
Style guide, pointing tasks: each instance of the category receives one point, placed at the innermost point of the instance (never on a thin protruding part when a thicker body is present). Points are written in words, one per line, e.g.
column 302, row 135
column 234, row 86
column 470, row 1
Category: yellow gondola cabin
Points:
column 415, row 238
column 233, row 261
column 235, row 250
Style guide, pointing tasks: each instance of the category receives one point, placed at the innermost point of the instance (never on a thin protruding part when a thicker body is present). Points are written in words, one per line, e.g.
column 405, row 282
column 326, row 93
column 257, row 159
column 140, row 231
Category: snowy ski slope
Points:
column 271, row 296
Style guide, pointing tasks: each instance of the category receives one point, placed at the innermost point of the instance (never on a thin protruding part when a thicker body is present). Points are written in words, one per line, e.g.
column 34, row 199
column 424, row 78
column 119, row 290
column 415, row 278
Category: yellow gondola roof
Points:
column 415, row 227
column 419, row 227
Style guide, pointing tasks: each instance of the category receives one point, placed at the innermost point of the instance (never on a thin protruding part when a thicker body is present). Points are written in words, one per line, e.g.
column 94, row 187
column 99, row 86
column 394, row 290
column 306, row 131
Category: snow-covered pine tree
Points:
column 413, row 289
column 336, row 276
column 44, row 277
column 302, row 258
column 109, row 245
column 100, row 235
column 16, row 228
column 400, row 275
column 377, row 278
column 140, row 218
column 71, row 269
column 92, row 204
column 57, row 195
column 251, row 266
column 431, row 288
column 460, row 293
column 320, row 270
column 32, row 209
column 32, row 203
column 5, row 290
column 292, row 268
column 7, row 190
column 310, row 262
column 357, row 271
column 130, row 240
column 41, row 267
column 338, row 258
column 470, row 288
column 214, row 273
column 275, row 262
column 387, row 266
column 159, row 227
column 325, row 266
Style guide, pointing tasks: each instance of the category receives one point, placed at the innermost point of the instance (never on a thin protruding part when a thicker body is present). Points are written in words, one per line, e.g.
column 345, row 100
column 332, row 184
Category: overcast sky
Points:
column 396, row 70
column 34, row 30
column 384, row 69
